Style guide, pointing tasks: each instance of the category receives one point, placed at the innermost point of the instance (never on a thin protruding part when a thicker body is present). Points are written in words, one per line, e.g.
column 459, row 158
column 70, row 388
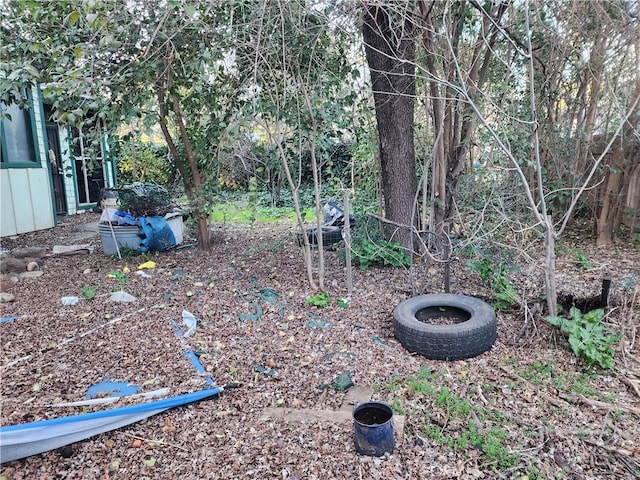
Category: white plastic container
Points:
column 127, row 236
column 176, row 225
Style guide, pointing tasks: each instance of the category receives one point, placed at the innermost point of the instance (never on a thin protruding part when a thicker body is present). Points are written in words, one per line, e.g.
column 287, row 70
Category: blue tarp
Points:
column 125, row 218
column 23, row 440
column 19, row 441
column 109, row 388
column 157, row 233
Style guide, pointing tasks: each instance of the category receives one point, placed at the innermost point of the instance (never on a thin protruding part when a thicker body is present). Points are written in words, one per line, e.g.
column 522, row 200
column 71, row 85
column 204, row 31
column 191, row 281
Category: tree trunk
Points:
column 606, row 221
column 346, row 232
column 391, row 64
column 191, row 177
column 200, row 212
column 551, row 288
column 315, row 169
column 632, row 201
column 452, row 116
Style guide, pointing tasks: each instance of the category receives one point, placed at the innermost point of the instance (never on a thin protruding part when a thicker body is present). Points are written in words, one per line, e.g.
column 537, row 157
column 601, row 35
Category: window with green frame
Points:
column 17, row 147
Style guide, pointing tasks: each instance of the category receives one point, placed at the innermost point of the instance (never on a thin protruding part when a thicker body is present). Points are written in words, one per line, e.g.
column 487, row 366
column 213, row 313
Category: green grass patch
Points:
column 541, row 374
column 244, row 213
column 248, row 208
column 454, row 422
column 538, row 372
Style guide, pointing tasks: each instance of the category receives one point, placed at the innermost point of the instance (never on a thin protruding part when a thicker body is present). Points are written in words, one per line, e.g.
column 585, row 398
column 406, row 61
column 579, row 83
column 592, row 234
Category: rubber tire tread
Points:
column 459, row 341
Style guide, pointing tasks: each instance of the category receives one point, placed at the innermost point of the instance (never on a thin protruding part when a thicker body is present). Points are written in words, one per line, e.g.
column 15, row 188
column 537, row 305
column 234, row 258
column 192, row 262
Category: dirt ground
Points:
column 526, row 409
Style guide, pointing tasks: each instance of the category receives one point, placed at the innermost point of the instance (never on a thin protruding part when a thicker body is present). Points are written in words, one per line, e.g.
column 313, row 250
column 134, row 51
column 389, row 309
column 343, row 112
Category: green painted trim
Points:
column 34, row 127
column 20, row 165
column 110, row 161
column 73, row 169
column 34, row 140
column 45, row 136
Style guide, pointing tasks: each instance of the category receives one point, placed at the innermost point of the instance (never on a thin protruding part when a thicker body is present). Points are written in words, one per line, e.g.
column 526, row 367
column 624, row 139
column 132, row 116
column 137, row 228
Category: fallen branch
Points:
column 16, row 361
column 107, row 400
column 634, row 383
column 635, row 452
column 69, row 340
column 580, row 399
column 556, row 402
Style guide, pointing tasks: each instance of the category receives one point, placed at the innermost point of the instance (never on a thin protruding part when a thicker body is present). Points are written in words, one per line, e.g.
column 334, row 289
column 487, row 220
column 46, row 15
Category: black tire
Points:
column 473, row 332
column 330, row 236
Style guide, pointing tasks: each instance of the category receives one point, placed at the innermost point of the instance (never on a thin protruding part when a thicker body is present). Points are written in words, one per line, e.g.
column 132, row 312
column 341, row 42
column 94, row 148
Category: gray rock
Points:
column 29, row 252
column 7, row 297
column 15, row 265
column 69, row 301
column 36, row 274
column 121, row 297
column 8, row 281
column 71, row 249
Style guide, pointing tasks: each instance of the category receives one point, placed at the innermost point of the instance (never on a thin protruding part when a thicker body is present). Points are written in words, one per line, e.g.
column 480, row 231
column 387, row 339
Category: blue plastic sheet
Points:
column 126, row 218
column 191, row 355
column 157, row 234
column 23, row 440
column 109, row 388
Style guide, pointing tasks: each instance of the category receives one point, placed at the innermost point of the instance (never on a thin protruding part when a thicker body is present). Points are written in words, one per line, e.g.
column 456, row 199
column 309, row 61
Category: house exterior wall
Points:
column 26, row 192
column 27, row 198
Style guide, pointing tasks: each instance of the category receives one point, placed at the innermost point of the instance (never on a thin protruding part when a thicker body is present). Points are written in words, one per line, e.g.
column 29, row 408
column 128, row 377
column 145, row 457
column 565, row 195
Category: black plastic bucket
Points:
column 373, row 423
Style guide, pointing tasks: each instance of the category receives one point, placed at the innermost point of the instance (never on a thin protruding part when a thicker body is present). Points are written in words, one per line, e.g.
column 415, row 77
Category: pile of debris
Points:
column 17, row 265
column 26, row 263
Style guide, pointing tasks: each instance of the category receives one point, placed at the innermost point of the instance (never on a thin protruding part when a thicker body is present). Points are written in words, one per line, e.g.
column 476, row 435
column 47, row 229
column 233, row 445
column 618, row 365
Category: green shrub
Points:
column 150, row 161
column 495, row 277
column 582, row 260
column 365, row 252
column 320, row 300
column 589, row 338
column 89, row 292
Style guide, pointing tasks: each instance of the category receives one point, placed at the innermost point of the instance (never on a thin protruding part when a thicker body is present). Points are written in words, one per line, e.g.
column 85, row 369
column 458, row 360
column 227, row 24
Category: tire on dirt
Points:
column 473, row 334
column 330, row 235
